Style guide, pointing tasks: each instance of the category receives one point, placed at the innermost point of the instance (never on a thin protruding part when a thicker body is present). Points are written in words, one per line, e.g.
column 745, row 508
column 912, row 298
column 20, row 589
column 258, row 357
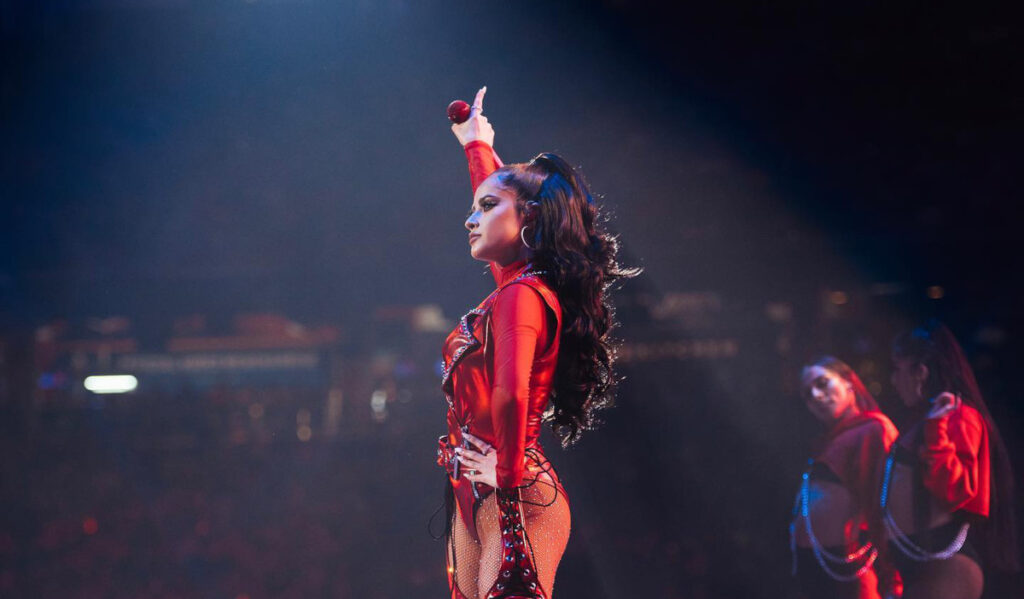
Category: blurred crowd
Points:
column 157, row 497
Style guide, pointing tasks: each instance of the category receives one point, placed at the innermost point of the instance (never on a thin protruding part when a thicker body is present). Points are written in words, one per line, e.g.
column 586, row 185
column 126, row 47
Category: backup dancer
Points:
column 947, row 499
column 836, row 521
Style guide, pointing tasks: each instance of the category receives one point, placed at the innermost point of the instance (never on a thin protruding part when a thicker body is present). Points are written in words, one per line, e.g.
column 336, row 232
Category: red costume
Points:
column 955, row 460
column 950, row 459
column 499, row 370
column 855, row 451
column 851, row 454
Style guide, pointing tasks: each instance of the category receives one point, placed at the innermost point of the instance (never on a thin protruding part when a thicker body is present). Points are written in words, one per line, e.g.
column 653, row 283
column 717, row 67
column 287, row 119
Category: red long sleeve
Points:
column 482, row 161
column 519, row 326
column 955, row 457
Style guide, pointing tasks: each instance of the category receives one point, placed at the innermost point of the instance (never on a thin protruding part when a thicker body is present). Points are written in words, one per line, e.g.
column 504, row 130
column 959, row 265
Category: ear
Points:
column 530, row 210
column 921, row 373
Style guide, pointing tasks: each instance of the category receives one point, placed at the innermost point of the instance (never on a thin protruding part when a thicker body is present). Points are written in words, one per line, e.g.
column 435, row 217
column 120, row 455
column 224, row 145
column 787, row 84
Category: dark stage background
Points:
column 256, row 208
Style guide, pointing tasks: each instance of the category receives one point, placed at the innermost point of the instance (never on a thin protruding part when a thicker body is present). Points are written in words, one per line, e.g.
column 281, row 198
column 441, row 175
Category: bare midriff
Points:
column 833, row 513
column 901, row 502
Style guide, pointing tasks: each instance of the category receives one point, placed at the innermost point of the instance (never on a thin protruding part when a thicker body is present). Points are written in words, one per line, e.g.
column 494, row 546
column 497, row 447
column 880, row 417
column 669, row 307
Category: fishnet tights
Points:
column 547, row 523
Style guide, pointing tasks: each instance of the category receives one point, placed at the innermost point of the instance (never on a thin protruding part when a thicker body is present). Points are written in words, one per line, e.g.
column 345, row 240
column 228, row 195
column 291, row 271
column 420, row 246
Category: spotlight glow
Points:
column 114, row 383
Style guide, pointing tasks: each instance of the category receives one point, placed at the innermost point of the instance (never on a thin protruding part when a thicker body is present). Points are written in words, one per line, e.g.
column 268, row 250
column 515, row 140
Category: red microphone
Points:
column 458, row 112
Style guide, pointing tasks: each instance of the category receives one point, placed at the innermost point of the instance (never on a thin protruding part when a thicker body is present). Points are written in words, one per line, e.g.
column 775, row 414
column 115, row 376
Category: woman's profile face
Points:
column 908, row 377
column 828, row 396
column 494, row 223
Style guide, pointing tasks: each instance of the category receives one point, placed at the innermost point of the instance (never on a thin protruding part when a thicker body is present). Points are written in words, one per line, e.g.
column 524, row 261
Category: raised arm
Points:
column 950, row 451
column 477, row 138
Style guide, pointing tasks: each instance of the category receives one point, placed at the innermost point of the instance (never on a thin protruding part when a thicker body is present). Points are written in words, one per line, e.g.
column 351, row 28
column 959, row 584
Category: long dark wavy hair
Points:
column 934, row 346
column 566, row 234
column 865, row 401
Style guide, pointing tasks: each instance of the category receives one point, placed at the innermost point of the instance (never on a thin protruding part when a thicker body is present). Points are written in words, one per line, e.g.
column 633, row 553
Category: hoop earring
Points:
column 522, row 236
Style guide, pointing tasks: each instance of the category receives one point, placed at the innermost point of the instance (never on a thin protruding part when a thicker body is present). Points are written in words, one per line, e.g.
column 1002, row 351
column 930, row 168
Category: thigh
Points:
column 548, row 523
column 958, row 577
column 546, row 520
column 487, row 526
column 463, row 558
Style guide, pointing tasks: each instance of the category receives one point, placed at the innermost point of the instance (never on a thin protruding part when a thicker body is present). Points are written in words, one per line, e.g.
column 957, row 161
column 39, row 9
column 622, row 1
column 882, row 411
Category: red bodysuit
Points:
column 499, row 370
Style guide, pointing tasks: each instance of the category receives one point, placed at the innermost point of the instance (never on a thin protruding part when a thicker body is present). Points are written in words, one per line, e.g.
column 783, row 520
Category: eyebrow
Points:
column 492, row 196
column 814, row 380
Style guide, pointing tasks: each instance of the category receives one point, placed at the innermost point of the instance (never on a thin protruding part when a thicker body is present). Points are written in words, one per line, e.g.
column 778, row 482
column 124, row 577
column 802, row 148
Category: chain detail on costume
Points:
column 865, row 552
column 517, row 578
column 900, row 538
column 466, row 330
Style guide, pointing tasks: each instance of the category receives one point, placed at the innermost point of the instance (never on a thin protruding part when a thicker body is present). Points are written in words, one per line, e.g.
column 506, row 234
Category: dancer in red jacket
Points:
column 836, row 519
column 948, row 478
column 534, row 350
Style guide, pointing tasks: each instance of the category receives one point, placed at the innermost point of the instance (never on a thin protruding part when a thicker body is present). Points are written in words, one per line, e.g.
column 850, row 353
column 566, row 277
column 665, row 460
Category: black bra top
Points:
column 822, row 473
column 905, row 456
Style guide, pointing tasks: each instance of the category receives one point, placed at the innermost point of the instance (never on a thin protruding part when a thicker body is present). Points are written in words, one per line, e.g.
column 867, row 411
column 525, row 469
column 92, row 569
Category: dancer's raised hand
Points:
column 943, row 404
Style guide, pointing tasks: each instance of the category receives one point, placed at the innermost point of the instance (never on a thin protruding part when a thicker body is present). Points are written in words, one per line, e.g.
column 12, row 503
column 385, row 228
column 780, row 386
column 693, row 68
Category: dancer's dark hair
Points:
column 565, row 231
column 934, row 346
column 865, row 401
